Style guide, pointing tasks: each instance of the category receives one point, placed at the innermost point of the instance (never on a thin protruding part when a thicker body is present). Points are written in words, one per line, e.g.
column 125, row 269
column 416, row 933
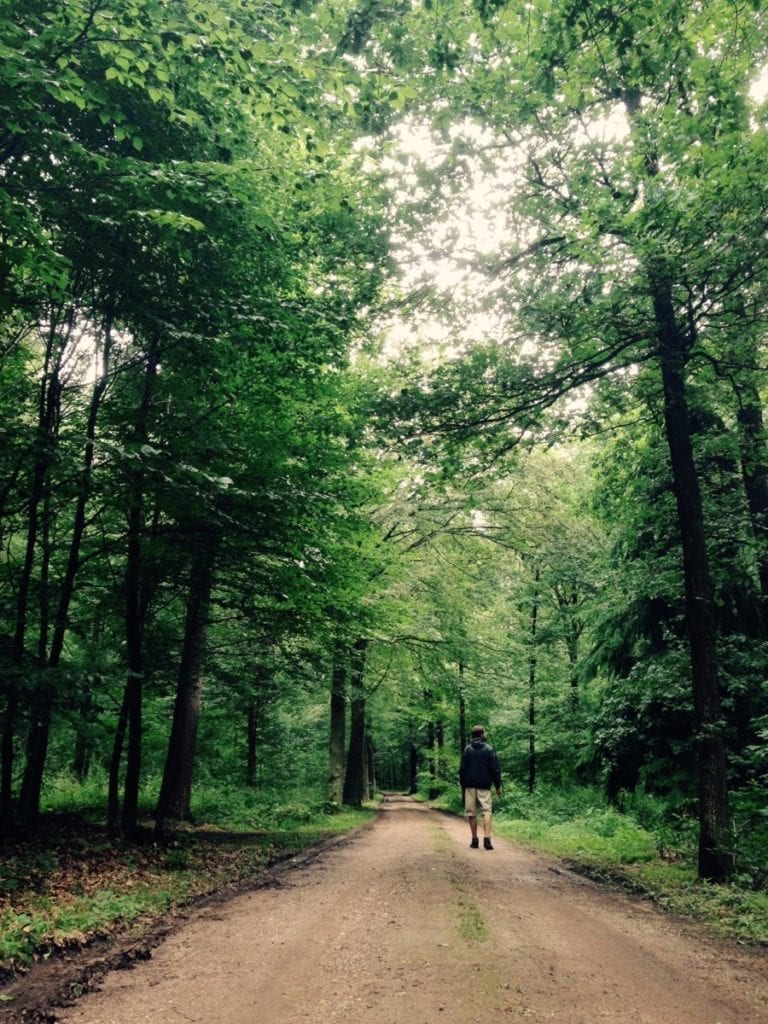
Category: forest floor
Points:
column 402, row 921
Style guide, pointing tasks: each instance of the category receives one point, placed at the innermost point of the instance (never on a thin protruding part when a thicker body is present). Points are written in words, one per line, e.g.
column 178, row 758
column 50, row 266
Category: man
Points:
column 479, row 771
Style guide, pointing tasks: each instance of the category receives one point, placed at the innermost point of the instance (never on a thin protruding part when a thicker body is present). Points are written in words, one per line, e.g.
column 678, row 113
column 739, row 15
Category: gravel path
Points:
column 404, row 923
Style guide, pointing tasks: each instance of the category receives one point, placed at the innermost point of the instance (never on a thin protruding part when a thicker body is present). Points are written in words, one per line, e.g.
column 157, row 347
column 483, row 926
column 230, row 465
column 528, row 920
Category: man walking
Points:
column 479, row 771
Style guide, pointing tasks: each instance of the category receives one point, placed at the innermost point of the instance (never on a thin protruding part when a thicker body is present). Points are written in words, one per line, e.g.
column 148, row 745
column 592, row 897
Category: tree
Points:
column 632, row 161
column 152, row 157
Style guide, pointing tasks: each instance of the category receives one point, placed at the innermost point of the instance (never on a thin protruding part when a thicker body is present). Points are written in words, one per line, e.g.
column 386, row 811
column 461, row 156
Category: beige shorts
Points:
column 474, row 798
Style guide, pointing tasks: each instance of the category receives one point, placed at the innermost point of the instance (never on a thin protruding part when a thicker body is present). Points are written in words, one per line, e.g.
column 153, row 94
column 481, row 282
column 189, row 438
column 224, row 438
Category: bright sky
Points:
column 473, row 226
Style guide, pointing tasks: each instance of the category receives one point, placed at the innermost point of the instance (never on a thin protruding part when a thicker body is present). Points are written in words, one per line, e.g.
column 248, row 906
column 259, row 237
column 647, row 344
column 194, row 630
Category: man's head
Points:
column 478, row 732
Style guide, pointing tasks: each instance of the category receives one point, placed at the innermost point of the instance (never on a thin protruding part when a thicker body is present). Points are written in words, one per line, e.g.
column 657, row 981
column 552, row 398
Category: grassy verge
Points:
column 606, row 844
column 71, row 882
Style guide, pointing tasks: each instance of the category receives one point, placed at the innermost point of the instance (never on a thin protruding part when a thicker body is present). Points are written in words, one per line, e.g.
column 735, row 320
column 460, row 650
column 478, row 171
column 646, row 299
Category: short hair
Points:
column 477, row 731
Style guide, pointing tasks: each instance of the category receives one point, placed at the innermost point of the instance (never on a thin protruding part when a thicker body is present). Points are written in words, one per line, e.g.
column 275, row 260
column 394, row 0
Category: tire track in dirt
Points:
column 405, row 922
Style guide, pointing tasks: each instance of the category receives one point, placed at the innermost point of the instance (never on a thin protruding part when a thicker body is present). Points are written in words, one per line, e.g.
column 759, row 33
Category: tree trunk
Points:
column 337, row 729
column 431, row 761
column 44, row 581
column 462, row 710
column 413, row 769
column 532, row 659
column 6, row 771
column 42, row 694
column 83, row 746
column 37, row 749
column 48, row 405
column 572, row 646
column 252, row 741
column 366, row 766
column 113, row 790
column 440, row 759
column 134, row 687
column 136, row 607
column 36, row 752
column 81, row 756
column 715, row 863
column 754, row 468
column 354, row 778
column 176, row 789
column 370, row 762
column 568, row 604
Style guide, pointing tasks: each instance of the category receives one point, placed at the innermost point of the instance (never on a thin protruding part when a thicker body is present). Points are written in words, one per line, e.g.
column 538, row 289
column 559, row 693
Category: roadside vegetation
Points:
column 72, row 881
column 641, row 848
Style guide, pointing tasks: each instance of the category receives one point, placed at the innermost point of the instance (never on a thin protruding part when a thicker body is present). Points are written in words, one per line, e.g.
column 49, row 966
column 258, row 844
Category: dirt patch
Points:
column 404, row 921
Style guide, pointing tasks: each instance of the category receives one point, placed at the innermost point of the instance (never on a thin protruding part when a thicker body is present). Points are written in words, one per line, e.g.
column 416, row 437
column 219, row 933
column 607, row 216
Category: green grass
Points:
column 472, row 927
column 602, row 837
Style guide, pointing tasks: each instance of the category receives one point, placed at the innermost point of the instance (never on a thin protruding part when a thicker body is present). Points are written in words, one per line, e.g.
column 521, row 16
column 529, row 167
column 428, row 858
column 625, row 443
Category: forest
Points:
column 374, row 368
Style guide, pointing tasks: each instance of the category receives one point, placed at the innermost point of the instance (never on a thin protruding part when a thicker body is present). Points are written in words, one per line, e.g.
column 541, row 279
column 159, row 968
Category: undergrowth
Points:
column 71, row 882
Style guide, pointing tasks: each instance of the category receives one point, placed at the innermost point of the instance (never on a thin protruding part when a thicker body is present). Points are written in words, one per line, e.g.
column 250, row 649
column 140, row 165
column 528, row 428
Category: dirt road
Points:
column 405, row 923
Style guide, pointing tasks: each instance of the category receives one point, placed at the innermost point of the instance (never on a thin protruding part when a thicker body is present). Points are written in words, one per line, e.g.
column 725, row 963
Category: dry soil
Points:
column 405, row 924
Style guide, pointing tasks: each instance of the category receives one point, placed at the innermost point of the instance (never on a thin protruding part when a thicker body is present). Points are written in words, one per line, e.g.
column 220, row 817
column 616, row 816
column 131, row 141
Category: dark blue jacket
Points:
column 479, row 766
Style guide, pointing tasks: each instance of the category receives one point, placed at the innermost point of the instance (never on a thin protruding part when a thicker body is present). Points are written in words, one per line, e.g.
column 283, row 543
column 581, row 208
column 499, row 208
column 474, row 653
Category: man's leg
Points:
column 470, row 809
column 485, row 801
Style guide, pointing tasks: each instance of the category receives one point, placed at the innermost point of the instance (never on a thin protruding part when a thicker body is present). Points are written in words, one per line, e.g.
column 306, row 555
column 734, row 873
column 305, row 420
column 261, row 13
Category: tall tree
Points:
column 622, row 134
column 355, row 784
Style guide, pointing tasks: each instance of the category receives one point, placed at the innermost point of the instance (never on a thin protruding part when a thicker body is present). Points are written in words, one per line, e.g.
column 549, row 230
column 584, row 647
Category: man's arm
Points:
column 496, row 773
column 463, row 768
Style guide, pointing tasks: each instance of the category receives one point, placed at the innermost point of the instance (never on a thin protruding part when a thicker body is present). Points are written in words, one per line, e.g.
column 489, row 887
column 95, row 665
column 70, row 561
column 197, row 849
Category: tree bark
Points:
column 714, row 861
column 354, row 778
column 44, row 580
column 82, row 752
column 252, row 741
column 440, row 758
column 754, row 468
column 113, row 788
column 462, row 710
column 370, row 761
column 136, row 606
column 176, row 788
column 338, row 726
column 567, row 599
column 134, row 687
column 37, row 749
column 42, row 693
column 532, row 661
column 47, row 419
column 48, row 416
column 81, row 756
column 431, row 759
column 413, row 769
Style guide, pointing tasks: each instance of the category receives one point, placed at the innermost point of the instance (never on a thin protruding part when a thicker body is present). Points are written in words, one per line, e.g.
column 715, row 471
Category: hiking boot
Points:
column 475, row 843
column 487, row 844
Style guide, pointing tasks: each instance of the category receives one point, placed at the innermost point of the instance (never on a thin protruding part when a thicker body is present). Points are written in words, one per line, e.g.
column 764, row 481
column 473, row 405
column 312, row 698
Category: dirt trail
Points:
column 406, row 923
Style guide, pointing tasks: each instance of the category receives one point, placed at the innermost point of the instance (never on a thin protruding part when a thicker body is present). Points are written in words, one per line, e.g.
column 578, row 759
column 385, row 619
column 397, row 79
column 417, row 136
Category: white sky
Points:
column 474, row 226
